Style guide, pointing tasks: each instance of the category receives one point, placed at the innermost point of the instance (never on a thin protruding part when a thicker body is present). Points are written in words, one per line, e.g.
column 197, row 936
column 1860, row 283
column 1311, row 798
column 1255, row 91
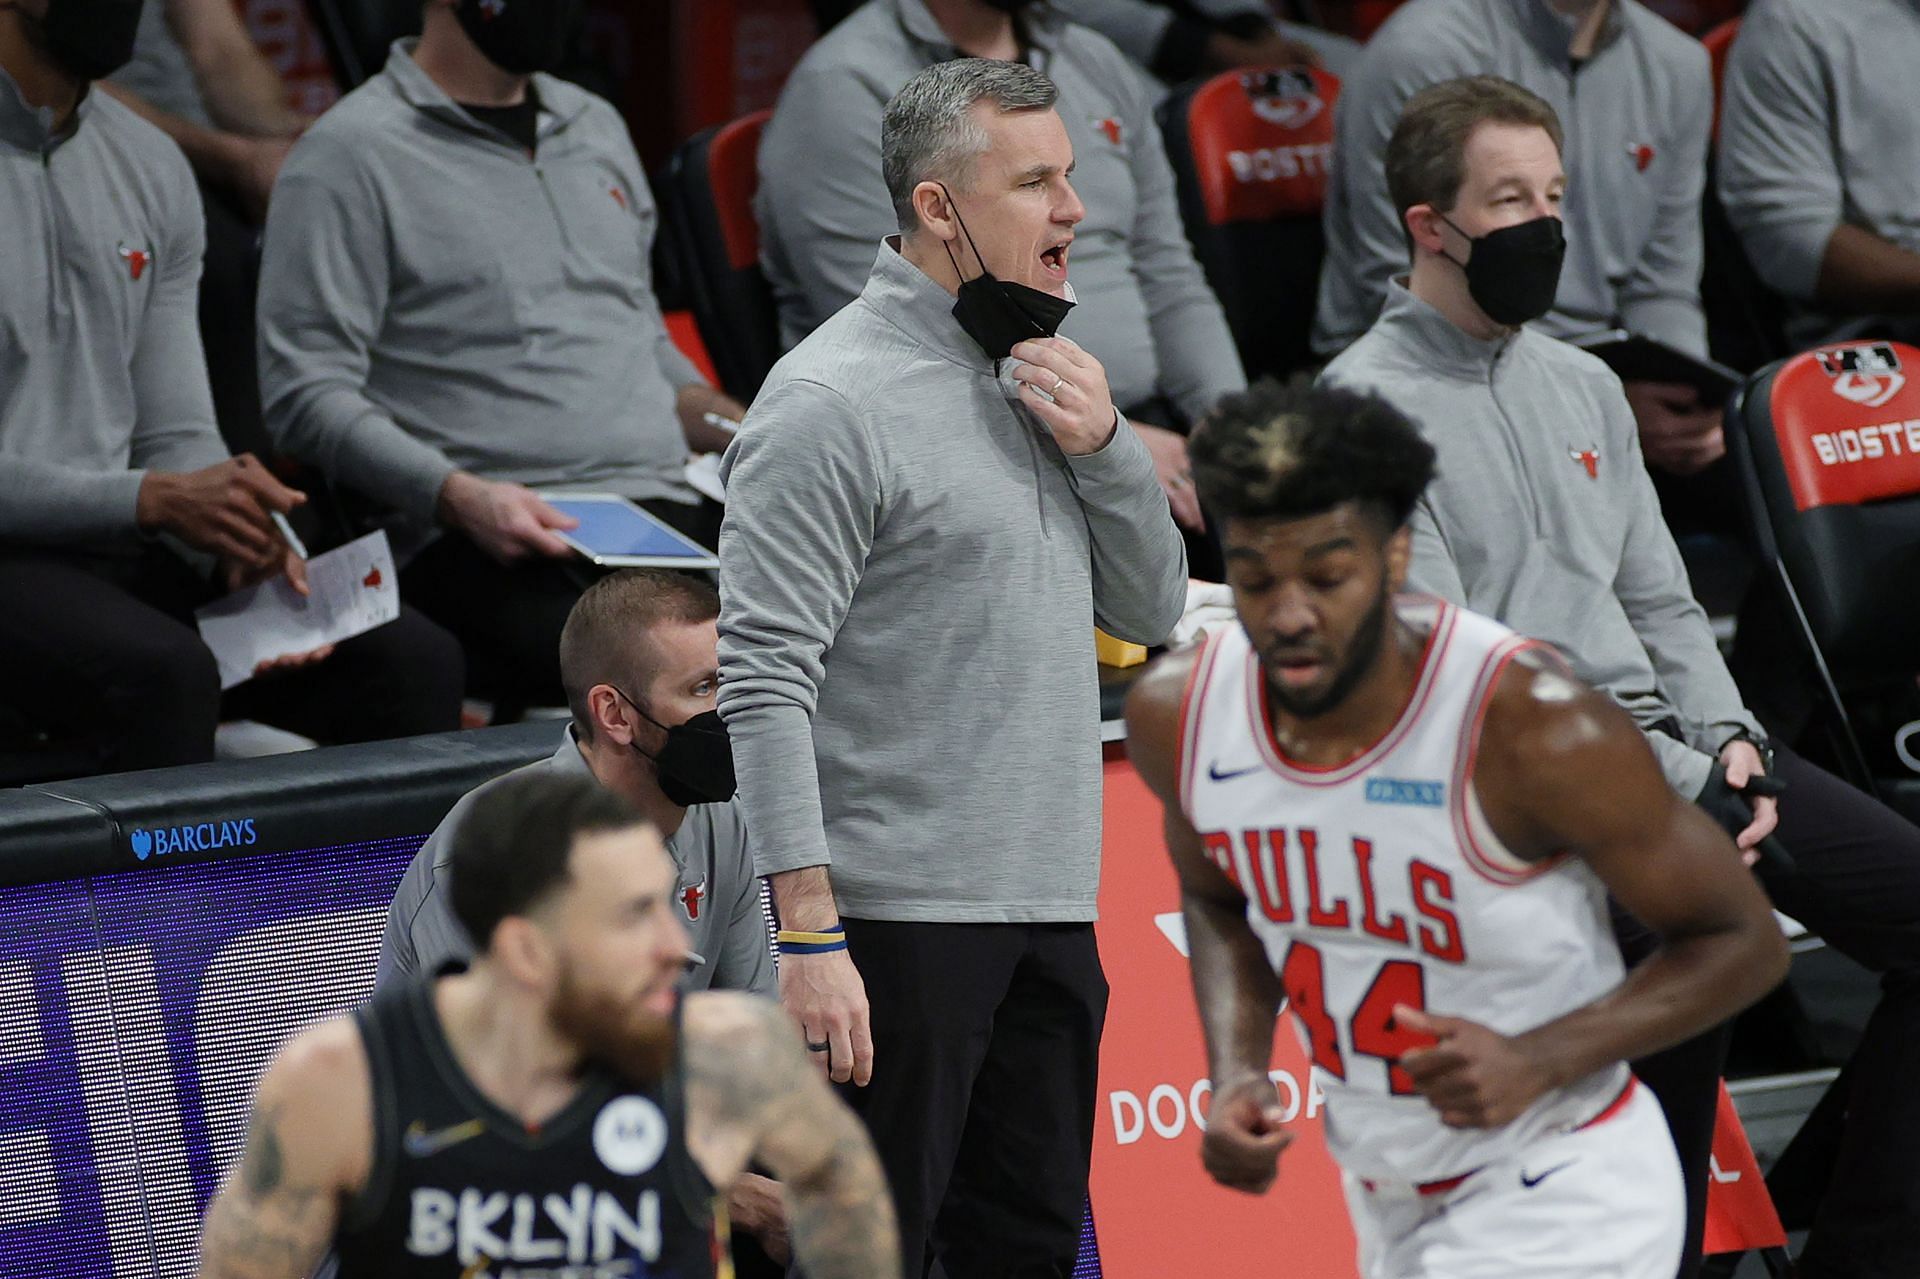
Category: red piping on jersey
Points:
column 1184, row 753
column 1426, row 1188
column 1615, row 1106
column 1431, row 657
column 1468, row 753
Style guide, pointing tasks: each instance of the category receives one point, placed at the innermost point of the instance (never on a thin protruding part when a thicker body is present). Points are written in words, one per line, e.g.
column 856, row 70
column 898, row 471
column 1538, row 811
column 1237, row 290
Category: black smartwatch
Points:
column 1759, row 743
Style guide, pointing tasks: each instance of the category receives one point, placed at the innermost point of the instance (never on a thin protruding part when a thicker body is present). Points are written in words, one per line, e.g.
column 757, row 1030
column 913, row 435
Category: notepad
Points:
column 354, row 588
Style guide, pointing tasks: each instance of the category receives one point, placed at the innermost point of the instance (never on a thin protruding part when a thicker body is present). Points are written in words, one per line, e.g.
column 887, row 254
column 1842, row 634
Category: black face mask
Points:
column 88, row 39
column 520, row 36
column 1514, row 272
column 696, row 764
column 999, row 314
column 1007, row 6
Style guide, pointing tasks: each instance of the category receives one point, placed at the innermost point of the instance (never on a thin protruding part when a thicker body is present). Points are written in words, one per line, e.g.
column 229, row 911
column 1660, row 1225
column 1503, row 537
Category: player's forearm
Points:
column 1234, row 984
column 1689, row 985
column 841, row 1214
column 1860, row 271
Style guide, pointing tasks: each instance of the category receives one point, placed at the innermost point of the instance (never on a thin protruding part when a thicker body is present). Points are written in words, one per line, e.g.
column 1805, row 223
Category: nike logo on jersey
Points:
column 1213, row 771
column 419, row 1143
column 1530, row 1182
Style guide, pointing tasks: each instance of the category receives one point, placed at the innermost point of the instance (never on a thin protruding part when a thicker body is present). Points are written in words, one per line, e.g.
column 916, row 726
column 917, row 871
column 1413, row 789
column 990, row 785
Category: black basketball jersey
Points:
column 461, row 1189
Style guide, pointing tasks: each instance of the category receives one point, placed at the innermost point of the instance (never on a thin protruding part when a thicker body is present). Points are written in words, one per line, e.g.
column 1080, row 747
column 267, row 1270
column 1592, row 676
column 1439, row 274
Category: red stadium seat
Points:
column 1827, row 444
column 706, row 201
column 1250, row 151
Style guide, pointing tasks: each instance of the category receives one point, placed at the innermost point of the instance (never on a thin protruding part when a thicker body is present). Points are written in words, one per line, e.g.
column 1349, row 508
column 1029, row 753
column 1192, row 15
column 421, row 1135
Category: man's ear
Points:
column 611, row 714
column 935, row 211
column 1427, row 228
column 523, row 952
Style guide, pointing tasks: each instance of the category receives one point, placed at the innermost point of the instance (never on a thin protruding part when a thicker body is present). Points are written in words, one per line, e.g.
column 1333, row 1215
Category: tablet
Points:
column 616, row 533
column 1637, row 358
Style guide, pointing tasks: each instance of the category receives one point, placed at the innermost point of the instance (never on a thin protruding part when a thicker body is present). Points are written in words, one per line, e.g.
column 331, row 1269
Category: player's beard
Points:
column 635, row 1045
column 1368, row 639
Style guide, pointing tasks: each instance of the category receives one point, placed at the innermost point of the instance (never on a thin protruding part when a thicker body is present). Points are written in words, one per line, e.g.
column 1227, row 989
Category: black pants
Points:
column 101, row 653
column 509, row 616
column 986, row 1048
column 1851, row 1169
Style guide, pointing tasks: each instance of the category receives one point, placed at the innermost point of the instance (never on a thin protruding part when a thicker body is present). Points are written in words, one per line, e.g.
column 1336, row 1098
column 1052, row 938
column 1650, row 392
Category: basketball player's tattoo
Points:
column 263, row 1225
column 754, row 1078
column 262, row 1161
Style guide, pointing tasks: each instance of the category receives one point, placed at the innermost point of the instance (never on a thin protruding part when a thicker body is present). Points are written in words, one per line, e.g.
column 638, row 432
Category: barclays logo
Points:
column 202, row 838
column 1392, row 790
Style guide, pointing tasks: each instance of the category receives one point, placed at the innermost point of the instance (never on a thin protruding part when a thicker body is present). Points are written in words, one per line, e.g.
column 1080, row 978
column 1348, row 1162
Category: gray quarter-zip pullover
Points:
column 432, row 297
column 101, row 371
column 1145, row 309
column 716, row 895
column 910, row 575
column 1636, row 115
column 1543, row 517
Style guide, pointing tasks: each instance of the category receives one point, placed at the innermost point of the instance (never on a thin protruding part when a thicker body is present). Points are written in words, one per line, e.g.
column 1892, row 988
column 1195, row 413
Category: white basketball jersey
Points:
column 1380, row 882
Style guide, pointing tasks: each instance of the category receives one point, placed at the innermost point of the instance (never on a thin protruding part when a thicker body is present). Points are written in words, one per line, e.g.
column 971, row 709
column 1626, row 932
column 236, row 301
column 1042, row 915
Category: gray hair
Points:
column 929, row 131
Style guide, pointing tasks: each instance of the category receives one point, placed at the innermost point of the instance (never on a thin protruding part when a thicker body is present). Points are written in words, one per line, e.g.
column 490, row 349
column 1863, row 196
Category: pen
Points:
column 294, row 543
column 726, row 424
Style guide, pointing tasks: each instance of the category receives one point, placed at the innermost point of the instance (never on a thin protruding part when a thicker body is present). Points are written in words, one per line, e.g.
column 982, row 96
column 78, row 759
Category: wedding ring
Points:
column 820, row 1047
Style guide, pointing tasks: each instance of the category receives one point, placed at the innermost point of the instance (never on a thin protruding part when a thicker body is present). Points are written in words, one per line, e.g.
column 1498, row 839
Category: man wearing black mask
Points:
column 1544, row 517
column 457, row 313
column 637, row 657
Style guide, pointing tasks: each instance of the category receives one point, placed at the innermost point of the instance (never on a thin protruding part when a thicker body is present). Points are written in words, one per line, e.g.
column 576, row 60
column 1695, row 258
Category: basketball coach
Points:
column 931, row 505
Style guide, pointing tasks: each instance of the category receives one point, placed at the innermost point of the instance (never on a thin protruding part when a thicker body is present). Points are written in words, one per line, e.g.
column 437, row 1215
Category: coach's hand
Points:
column 1067, row 389
column 1244, row 1138
column 1475, row 1077
column 507, row 521
column 224, row 509
column 826, row 996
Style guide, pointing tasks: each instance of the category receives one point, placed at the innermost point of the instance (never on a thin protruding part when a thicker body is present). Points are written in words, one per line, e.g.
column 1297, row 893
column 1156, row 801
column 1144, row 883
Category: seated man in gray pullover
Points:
column 924, row 526
column 120, row 508
column 1148, row 315
column 1636, row 99
column 456, row 311
column 1820, row 160
column 637, row 658
column 1544, row 517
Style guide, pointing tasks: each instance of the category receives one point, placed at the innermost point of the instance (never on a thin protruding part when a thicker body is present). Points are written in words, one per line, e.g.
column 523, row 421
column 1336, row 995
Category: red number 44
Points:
column 1371, row 1029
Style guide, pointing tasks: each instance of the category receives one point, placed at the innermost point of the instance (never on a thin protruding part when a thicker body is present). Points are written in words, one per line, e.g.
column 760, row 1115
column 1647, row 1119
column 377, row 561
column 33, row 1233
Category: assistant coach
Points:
column 930, row 507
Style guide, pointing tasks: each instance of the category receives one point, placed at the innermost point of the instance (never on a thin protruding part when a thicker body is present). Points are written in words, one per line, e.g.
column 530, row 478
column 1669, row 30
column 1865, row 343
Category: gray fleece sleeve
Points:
column 174, row 430
column 1779, row 176
column 803, row 501
column 1139, row 559
column 822, row 203
column 1653, row 589
column 1198, row 360
column 1660, row 298
column 323, row 296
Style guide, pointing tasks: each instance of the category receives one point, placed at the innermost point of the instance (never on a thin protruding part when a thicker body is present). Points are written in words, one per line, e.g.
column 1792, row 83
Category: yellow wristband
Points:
column 801, row 938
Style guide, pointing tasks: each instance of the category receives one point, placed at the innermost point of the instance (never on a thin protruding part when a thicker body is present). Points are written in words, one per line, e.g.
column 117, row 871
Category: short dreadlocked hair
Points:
column 1277, row 452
